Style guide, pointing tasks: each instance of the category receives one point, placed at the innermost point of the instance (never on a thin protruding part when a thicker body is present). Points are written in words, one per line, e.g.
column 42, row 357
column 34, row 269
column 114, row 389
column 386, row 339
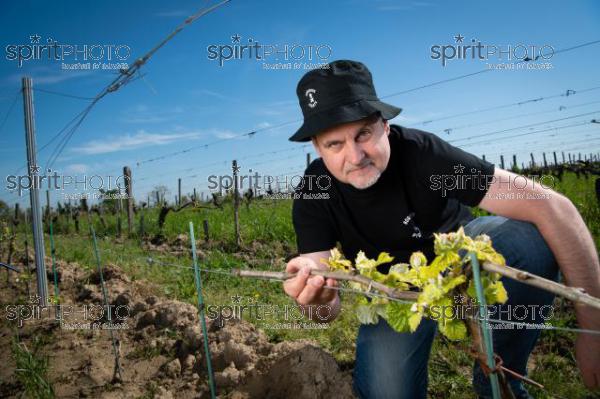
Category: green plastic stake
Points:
column 117, row 372
column 52, row 252
column 201, row 311
column 487, row 336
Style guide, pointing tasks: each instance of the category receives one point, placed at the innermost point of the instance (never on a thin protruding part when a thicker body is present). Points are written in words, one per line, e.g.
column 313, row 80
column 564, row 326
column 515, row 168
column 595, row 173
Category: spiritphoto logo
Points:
column 273, row 56
column 475, row 180
column 475, row 50
column 266, row 184
column 494, row 316
column 70, row 316
column 287, row 316
column 100, row 56
column 54, row 181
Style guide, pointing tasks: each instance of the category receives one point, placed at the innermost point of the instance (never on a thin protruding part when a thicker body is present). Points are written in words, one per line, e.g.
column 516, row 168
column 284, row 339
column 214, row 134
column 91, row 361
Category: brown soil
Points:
column 161, row 351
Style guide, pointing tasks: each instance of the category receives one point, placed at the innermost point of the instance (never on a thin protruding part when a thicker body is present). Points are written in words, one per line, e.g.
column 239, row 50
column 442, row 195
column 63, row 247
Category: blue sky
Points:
column 186, row 100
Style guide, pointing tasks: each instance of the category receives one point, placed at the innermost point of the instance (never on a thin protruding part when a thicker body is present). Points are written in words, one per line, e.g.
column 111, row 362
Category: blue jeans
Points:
column 394, row 365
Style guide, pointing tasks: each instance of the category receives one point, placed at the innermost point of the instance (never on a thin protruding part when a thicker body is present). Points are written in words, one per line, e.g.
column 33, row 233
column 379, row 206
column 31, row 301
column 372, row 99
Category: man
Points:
column 386, row 191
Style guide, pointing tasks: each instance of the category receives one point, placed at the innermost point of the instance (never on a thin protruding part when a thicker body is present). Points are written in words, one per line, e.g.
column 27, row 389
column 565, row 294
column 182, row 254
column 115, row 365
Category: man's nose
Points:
column 355, row 153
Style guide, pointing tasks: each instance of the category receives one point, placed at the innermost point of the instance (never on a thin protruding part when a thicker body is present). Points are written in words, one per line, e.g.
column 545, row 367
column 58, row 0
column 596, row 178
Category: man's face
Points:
column 355, row 153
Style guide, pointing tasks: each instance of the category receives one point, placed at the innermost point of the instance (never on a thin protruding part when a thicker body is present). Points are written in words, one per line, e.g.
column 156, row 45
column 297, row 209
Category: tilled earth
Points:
column 161, row 350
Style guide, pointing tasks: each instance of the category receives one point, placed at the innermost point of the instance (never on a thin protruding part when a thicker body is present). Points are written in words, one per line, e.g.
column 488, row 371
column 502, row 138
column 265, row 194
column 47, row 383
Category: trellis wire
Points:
column 228, row 273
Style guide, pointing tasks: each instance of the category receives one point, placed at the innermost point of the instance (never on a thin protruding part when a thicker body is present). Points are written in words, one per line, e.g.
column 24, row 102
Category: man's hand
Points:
column 309, row 290
column 587, row 346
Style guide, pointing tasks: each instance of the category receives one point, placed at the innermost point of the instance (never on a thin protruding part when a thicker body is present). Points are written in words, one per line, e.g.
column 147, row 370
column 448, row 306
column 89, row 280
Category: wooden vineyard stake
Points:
column 129, row 193
column 236, row 203
column 206, row 233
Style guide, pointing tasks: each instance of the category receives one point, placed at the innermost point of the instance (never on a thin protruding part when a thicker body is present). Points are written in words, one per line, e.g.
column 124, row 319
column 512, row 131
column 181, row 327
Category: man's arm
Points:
column 571, row 243
column 309, row 290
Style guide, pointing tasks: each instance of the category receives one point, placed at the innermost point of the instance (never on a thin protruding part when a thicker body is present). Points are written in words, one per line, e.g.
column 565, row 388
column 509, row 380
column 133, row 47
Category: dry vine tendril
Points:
column 438, row 282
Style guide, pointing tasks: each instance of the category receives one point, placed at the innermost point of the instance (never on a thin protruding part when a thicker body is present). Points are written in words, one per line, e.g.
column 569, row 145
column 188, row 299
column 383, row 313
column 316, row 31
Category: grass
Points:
column 268, row 238
column 32, row 369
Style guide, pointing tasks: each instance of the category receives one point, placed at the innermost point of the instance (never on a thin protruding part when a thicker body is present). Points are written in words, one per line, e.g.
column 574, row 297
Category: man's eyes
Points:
column 364, row 135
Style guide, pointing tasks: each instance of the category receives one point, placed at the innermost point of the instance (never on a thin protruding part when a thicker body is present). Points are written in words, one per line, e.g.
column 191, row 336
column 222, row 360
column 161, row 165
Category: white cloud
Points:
column 210, row 93
column 263, row 125
column 76, row 168
column 415, row 118
column 224, row 134
column 268, row 112
column 277, row 108
column 146, row 119
column 130, row 142
column 45, row 75
column 141, row 113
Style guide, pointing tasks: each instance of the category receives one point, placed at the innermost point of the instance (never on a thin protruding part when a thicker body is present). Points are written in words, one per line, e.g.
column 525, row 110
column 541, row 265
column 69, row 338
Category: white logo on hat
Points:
column 310, row 93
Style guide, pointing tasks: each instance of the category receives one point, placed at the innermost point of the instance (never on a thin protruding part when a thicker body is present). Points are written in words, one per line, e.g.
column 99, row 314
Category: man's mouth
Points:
column 358, row 168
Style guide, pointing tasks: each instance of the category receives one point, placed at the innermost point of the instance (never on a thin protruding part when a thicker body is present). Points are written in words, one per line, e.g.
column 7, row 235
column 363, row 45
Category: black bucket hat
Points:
column 340, row 92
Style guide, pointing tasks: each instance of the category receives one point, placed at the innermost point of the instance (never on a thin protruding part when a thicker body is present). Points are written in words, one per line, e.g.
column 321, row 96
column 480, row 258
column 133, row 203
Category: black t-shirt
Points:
column 425, row 188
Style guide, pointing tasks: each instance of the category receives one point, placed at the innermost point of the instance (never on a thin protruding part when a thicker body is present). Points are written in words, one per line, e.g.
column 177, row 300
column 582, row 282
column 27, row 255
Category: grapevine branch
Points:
column 572, row 293
column 389, row 291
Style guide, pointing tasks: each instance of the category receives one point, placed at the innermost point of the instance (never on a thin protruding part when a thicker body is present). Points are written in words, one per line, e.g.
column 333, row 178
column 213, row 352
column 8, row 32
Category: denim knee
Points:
column 521, row 244
column 391, row 364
